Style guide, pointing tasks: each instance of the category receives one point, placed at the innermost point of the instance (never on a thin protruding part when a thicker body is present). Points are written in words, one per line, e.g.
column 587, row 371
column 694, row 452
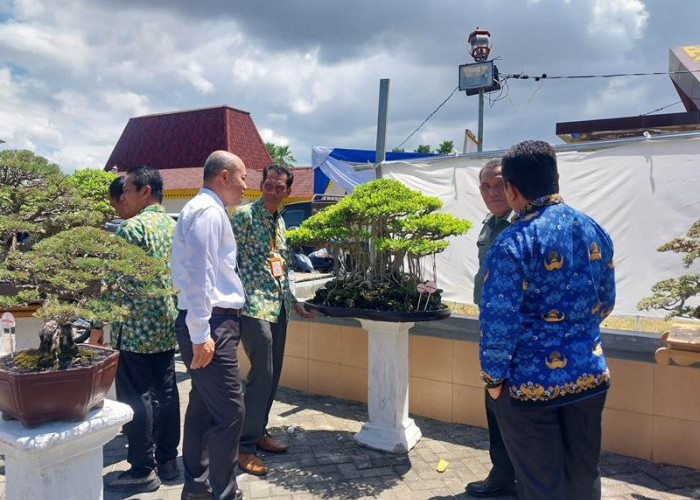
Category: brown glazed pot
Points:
column 35, row 398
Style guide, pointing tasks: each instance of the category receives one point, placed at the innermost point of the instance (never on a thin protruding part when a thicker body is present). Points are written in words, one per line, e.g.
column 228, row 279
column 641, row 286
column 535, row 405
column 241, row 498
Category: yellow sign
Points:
column 693, row 51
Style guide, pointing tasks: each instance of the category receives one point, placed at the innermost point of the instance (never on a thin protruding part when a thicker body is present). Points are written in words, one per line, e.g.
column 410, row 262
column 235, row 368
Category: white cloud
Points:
column 72, row 72
column 193, row 74
column 269, row 135
column 620, row 20
column 619, row 93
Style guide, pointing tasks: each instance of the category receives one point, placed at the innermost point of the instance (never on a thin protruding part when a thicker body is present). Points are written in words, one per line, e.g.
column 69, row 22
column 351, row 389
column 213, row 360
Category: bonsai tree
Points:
column 380, row 235
column 37, row 201
column 679, row 295
column 52, row 257
column 92, row 185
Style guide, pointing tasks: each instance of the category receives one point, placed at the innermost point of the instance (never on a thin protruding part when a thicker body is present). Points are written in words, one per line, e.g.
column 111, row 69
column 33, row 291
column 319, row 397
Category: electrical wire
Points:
column 505, row 90
column 523, row 76
column 527, row 103
column 660, row 109
column 428, row 118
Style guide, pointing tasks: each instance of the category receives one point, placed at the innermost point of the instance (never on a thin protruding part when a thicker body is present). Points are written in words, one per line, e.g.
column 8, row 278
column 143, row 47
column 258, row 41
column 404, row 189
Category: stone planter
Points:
column 59, row 460
column 35, row 398
column 389, row 427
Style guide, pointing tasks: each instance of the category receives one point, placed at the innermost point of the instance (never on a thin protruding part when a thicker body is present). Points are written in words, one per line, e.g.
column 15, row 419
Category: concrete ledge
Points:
column 634, row 346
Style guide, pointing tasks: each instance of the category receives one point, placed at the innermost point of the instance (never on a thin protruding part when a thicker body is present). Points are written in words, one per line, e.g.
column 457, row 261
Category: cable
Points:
column 522, row 76
column 660, row 109
column 527, row 103
column 428, row 118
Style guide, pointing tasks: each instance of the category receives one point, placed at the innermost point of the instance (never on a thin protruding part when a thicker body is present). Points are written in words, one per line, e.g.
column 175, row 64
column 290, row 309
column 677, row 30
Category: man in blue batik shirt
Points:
column 549, row 283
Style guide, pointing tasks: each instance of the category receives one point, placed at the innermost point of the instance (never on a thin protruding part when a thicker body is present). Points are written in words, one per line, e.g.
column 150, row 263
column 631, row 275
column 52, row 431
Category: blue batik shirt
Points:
column 549, row 282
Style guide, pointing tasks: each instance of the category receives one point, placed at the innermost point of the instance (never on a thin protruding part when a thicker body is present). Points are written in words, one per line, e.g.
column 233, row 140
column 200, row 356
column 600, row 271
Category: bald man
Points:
column 210, row 300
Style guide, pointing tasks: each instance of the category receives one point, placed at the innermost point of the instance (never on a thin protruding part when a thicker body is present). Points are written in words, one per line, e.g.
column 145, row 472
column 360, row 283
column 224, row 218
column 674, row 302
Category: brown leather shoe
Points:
column 267, row 443
column 252, row 464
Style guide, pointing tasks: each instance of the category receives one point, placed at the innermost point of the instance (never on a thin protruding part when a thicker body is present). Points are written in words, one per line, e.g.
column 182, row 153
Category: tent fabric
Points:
column 338, row 165
column 643, row 194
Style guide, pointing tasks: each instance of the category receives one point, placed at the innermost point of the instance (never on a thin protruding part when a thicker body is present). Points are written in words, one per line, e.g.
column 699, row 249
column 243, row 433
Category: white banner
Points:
column 643, row 194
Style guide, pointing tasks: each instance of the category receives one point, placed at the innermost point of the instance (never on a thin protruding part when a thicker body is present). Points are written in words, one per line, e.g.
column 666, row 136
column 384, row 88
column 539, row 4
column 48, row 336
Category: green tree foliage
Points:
column 445, row 148
column 679, row 296
column 52, row 257
column 93, row 185
column 382, row 230
column 280, row 154
column 398, row 150
column 422, row 148
column 37, row 200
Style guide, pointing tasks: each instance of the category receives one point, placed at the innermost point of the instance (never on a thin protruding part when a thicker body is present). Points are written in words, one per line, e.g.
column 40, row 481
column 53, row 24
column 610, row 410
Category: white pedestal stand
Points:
column 59, row 460
column 389, row 428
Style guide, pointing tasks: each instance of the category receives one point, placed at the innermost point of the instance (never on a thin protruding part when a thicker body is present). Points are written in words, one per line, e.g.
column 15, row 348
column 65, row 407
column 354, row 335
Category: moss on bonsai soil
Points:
column 38, row 361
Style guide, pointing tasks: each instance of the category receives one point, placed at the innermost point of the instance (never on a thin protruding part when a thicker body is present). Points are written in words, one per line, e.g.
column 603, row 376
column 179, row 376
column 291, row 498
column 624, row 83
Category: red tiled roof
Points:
column 186, row 138
column 191, row 178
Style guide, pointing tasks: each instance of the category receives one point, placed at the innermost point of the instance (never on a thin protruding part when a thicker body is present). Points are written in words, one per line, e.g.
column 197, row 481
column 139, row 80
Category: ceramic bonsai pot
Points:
column 392, row 316
column 35, row 398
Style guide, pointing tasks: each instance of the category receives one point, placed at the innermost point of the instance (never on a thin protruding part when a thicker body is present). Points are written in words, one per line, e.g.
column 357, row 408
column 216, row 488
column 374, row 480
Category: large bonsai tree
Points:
column 380, row 236
column 52, row 257
column 680, row 296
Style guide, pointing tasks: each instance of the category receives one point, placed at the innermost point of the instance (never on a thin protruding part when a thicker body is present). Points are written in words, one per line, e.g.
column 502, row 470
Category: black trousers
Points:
column 264, row 345
column 214, row 415
column 139, row 375
column 502, row 473
column 555, row 450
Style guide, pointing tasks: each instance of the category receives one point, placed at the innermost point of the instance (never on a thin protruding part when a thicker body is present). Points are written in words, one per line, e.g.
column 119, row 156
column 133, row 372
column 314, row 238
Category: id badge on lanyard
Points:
column 276, row 265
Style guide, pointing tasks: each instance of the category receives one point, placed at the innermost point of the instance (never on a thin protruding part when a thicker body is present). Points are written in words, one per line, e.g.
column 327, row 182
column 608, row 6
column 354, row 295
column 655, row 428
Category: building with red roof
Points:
column 178, row 143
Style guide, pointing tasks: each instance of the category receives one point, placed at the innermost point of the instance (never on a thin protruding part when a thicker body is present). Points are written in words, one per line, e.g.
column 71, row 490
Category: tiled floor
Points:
column 325, row 463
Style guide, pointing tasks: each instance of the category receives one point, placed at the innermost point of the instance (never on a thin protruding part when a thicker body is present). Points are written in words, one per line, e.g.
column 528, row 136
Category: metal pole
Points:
column 380, row 154
column 480, row 145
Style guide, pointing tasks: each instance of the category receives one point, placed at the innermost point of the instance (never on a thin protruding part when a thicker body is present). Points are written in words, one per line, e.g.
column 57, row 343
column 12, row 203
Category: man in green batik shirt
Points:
column 146, row 343
column 263, row 259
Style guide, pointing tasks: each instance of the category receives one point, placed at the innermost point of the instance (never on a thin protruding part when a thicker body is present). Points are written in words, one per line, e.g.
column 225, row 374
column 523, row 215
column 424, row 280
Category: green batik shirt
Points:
column 265, row 294
column 150, row 327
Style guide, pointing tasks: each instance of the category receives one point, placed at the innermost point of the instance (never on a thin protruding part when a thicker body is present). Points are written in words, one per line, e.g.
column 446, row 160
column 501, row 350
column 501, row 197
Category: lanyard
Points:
column 273, row 243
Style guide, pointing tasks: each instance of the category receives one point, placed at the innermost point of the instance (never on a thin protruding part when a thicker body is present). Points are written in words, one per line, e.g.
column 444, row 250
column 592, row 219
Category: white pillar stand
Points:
column 389, row 428
column 59, row 460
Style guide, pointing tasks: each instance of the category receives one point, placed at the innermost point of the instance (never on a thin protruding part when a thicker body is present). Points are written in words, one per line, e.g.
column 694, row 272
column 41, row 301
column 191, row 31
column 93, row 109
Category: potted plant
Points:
column 51, row 256
column 382, row 236
column 679, row 296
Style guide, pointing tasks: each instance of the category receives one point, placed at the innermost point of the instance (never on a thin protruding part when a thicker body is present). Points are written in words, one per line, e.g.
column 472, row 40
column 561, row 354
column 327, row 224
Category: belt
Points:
column 226, row 311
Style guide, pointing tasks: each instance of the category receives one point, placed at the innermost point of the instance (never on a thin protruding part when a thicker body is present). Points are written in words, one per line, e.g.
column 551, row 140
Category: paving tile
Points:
column 325, row 463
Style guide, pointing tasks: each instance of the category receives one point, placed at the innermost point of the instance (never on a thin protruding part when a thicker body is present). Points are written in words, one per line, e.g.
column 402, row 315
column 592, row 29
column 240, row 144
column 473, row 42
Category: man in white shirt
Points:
column 210, row 297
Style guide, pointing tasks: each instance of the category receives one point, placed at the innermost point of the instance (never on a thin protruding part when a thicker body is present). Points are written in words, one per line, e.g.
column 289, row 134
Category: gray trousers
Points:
column 264, row 345
column 215, row 411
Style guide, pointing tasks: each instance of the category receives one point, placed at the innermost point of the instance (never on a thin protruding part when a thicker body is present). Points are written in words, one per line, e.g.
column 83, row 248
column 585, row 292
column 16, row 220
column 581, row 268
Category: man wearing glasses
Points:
column 263, row 260
column 501, row 479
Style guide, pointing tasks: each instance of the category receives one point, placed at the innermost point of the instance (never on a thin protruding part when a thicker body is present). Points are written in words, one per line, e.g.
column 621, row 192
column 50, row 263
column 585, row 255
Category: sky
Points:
column 72, row 72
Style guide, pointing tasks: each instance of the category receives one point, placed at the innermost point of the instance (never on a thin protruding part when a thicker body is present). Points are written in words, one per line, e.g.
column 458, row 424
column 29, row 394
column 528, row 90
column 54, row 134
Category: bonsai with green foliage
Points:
column 55, row 254
column 680, row 296
column 380, row 236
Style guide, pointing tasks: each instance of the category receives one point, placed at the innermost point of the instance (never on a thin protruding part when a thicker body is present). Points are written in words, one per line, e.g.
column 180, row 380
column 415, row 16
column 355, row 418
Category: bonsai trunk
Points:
column 58, row 340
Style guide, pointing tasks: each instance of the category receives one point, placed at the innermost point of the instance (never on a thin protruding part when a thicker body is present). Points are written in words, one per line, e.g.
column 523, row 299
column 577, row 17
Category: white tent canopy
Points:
column 643, row 193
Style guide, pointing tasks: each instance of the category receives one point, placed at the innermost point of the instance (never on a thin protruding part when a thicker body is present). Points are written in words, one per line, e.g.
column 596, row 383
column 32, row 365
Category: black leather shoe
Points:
column 487, row 489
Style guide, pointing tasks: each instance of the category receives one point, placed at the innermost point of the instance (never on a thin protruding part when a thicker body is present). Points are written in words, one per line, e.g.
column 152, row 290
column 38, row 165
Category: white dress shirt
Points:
column 203, row 263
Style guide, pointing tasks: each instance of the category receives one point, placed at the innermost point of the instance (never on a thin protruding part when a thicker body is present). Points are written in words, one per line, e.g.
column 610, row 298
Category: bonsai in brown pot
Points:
column 52, row 257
